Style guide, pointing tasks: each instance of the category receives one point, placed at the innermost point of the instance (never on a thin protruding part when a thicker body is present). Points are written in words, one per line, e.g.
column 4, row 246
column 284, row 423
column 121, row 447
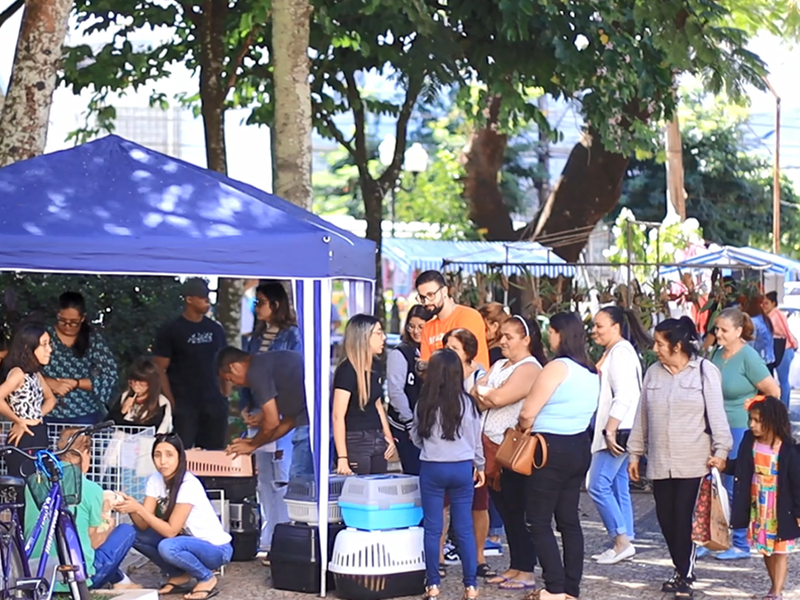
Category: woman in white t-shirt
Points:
column 178, row 528
column 501, row 393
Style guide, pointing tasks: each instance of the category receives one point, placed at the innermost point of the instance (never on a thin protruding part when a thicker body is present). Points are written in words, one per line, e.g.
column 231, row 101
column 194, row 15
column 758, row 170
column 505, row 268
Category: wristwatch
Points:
column 607, row 433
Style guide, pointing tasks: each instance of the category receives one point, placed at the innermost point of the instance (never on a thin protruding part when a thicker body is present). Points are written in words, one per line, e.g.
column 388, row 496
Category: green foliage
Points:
column 126, row 310
column 729, row 190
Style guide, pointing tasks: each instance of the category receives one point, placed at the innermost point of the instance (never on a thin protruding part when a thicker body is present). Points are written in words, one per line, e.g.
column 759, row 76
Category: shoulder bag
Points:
column 517, row 451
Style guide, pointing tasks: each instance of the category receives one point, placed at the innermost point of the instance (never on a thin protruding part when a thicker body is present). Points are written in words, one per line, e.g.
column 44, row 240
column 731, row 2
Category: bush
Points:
column 126, row 310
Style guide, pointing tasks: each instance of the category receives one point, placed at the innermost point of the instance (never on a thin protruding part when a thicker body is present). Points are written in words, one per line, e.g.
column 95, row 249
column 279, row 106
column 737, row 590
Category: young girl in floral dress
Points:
column 766, row 497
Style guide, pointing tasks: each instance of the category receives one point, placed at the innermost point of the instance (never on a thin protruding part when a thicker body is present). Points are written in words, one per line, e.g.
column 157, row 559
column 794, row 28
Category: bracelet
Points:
column 77, row 384
column 340, row 457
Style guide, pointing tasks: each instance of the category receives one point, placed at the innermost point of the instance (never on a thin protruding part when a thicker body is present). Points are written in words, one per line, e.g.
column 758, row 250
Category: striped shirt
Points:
column 670, row 425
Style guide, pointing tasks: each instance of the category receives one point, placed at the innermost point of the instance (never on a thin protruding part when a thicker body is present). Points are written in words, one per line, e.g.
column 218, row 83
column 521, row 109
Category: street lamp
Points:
column 415, row 161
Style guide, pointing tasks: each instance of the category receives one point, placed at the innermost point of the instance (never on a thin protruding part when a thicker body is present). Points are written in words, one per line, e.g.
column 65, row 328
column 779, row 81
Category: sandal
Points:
column 516, row 584
column 442, row 570
column 497, row 579
column 432, row 591
column 207, row 594
column 174, row 588
column 485, row 570
column 470, row 593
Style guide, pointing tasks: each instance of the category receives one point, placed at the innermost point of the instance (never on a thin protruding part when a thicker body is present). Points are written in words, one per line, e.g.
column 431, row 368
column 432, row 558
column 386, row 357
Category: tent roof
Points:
column 739, row 258
column 112, row 206
column 421, row 255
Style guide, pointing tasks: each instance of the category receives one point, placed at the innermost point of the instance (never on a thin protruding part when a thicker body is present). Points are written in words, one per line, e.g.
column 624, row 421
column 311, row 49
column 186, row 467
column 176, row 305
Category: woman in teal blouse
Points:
column 744, row 375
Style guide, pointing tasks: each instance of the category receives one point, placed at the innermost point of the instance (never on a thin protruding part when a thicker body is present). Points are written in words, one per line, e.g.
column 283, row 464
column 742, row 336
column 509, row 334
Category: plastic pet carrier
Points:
column 378, row 502
column 372, row 565
column 295, row 557
column 301, row 499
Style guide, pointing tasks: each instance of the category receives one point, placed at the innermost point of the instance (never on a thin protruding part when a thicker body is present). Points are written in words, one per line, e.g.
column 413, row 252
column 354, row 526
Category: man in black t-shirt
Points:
column 277, row 384
column 184, row 350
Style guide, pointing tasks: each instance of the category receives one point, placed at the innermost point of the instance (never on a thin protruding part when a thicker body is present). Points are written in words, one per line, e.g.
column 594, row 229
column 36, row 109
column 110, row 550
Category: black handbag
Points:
column 622, row 437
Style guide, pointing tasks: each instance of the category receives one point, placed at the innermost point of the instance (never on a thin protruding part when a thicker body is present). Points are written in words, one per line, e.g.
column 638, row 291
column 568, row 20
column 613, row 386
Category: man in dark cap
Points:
column 184, row 350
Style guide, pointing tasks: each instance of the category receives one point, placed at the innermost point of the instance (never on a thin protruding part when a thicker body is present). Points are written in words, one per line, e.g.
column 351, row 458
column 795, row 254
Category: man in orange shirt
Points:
column 433, row 294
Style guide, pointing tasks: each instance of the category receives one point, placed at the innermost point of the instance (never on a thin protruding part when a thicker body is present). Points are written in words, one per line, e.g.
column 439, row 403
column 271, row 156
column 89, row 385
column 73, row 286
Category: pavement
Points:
column 639, row 578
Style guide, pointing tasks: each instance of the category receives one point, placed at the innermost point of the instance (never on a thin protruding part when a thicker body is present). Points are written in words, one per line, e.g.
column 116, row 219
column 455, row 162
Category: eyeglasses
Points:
column 416, row 327
column 429, row 297
column 69, row 322
column 166, row 437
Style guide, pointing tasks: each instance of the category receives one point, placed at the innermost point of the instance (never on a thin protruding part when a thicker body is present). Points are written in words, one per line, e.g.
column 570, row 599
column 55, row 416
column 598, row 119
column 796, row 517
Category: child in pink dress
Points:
column 766, row 497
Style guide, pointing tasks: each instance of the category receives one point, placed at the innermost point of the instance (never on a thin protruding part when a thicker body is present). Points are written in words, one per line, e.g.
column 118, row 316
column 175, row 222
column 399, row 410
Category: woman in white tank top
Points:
column 501, row 393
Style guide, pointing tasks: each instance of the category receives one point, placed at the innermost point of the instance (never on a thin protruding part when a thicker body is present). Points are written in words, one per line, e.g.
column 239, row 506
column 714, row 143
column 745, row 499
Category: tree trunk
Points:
column 373, row 213
column 589, row 188
column 26, row 111
column 483, row 160
column 213, row 92
column 542, row 181
column 291, row 25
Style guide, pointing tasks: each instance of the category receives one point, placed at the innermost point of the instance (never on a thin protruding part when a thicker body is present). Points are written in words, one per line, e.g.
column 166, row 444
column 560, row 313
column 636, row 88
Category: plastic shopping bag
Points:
column 711, row 519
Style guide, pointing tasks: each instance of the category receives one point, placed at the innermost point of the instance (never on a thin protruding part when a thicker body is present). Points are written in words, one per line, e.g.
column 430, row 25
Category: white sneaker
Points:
column 607, row 554
column 626, row 554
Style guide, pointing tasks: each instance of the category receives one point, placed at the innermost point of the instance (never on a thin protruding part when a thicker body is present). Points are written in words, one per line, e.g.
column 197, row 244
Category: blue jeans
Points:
column 495, row 520
column 273, row 475
column 783, row 377
column 183, row 554
column 302, row 459
column 739, row 535
column 610, row 489
column 455, row 480
column 109, row 556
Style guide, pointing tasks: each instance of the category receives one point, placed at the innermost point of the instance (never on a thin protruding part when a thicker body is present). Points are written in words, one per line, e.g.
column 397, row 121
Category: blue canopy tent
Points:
column 114, row 207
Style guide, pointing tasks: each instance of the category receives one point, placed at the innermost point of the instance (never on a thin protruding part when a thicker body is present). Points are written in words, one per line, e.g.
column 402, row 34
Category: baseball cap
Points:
column 194, row 287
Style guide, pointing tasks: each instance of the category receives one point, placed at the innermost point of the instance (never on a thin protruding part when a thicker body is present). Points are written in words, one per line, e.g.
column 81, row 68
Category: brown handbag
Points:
column 518, row 451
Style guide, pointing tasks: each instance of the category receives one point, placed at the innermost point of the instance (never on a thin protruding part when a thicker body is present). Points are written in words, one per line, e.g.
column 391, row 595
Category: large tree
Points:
column 25, row 112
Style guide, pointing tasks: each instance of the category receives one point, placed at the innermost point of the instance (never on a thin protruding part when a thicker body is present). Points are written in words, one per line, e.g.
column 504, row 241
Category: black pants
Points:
column 675, row 500
column 409, row 453
column 555, row 490
column 17, row 466
column 365, row 452
column 510, row 503
column 204, row 426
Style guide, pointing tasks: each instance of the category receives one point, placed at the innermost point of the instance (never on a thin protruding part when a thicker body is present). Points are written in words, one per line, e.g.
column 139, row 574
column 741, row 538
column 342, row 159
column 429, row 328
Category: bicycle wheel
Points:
column 11, row 570
column 70, row 554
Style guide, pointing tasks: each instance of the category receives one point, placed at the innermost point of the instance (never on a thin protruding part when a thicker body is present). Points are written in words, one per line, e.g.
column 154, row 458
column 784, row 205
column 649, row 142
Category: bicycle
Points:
column 55, row 522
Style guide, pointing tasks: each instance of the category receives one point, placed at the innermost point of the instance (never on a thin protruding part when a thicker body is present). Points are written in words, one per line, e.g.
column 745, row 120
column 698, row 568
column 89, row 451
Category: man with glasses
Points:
column 184, row 351
column 433, row 294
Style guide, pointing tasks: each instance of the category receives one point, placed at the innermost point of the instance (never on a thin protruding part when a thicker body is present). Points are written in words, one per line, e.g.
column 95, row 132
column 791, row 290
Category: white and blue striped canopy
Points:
column 471, row 257
column 741, row 258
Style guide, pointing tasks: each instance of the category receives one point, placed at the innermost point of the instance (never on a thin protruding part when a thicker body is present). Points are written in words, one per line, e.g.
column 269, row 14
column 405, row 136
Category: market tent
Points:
column 114, row 207
column 733, row 258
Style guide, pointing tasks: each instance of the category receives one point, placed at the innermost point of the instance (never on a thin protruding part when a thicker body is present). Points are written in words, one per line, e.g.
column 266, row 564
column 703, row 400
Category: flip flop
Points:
column 496, row 580
column 515, row 584
column 175, row 588
column 208, row 594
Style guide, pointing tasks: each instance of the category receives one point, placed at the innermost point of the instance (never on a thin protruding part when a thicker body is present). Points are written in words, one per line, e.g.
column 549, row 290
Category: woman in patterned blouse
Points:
column 82, row 372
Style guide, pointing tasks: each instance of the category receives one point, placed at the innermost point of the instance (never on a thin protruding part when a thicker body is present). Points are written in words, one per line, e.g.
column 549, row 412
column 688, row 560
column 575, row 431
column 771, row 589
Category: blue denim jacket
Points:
column 764, row 341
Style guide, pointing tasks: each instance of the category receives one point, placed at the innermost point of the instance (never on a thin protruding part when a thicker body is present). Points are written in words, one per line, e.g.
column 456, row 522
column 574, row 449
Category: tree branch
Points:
column 389, row 176
column 337, row 134
column 239, row 61
column 360, row 121
column 11, row 11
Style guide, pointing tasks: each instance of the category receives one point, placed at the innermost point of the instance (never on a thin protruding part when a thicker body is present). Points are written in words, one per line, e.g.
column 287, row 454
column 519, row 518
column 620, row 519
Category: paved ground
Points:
column 639, row 579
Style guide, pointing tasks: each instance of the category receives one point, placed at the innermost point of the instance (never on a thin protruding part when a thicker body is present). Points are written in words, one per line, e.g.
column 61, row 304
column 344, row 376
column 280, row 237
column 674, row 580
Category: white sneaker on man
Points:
column 614, row 558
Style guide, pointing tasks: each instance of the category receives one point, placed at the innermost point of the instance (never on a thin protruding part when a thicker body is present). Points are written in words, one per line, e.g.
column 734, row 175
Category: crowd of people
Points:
column 459, row 381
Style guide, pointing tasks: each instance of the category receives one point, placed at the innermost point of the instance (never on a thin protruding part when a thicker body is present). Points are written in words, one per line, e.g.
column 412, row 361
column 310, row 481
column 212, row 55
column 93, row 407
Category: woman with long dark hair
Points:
column 361, row 433
column 403, row 384
column 560, row 406
column 178, row 528
column 447, row 429
column 501, row 393
column 143, row 404
column 82, row 372
column 681, row 426
column 25, row 398
column 619, row 331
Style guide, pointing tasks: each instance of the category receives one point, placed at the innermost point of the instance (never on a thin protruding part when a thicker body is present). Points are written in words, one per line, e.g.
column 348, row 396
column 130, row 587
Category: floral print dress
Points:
column 763, row 531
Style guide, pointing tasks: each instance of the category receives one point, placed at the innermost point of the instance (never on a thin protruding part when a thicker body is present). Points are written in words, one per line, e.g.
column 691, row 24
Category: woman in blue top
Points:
column 276, row 329
column 560, row 406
